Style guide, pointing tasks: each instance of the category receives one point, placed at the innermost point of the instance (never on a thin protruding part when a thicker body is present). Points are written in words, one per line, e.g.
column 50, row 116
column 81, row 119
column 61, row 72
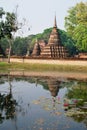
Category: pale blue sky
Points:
column 40, row 13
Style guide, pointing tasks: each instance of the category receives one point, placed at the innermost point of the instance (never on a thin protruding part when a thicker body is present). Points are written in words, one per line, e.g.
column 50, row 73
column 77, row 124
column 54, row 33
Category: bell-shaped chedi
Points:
column 54, row 48
column 36, row 50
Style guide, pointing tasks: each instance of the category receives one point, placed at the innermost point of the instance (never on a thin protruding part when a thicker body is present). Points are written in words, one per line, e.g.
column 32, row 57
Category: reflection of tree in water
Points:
column 85, row 121
column 7, row 105
column 78, row 91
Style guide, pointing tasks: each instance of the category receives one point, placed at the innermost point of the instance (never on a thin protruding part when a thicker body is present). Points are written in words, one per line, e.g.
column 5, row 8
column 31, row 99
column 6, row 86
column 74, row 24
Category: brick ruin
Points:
column 54, row 48
column 37, row 49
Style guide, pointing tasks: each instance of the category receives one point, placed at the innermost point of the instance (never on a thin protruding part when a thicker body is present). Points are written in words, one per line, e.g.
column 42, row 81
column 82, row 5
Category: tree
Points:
column 20, row 46
column 1, row 22
column 8, row 27
column 68, row 42
column 80, row 35
column 76, row 25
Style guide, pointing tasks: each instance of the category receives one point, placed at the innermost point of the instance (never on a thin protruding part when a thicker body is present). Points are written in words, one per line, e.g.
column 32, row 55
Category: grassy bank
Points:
column 42, row 67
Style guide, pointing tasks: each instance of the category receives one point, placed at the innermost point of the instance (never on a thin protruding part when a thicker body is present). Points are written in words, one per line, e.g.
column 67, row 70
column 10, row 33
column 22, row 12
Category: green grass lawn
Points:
column 41, row 67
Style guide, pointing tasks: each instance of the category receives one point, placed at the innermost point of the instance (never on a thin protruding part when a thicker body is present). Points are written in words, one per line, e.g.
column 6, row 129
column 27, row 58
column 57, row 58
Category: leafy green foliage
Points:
column 20, row 46
column 1, row 12
column 8, row 24
column 76, row 25
column 68, row 42
column 4, row 43
column 80, row 35
column 78, row 91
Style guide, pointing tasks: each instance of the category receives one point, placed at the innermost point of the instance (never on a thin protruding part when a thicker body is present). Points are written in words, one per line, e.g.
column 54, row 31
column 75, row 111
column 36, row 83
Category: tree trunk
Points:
column 9, row 52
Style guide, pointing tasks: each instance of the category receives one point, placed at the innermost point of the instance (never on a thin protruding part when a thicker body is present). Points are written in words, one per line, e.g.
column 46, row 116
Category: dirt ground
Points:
column 59, row 62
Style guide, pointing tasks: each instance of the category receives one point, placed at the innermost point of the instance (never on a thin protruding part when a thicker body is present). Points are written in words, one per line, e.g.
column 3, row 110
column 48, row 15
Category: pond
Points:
column 30, row 103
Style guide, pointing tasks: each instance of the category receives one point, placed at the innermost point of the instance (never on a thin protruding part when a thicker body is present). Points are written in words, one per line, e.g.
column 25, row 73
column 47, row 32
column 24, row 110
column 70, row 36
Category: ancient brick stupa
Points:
column 54, row 48
column 36, row 50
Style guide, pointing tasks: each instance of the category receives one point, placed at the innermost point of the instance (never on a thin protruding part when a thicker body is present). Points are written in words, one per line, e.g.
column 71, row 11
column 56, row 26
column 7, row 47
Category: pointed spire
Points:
column 55, row 23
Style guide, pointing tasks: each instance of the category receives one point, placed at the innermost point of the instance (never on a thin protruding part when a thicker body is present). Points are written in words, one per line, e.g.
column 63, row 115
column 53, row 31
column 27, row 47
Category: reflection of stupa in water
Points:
column 54, row 86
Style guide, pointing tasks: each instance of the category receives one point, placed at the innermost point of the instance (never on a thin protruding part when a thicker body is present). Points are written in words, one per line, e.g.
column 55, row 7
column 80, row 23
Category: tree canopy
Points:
column 76, row 25
column 7, row 24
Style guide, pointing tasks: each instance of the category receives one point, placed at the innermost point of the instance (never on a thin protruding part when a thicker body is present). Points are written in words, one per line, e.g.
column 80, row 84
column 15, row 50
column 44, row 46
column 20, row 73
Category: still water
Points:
column 42, row 104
